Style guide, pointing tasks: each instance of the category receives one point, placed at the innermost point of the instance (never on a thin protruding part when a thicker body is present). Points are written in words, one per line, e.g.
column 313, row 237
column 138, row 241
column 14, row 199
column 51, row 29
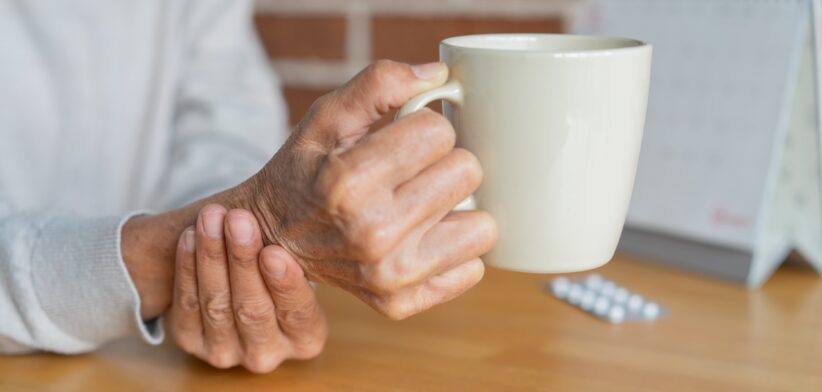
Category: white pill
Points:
column 575, row 293
column 607, row 288
column 593, row 281
column 560, row 287
column 617, row 314
column 621, row 295
column 635, row 302
column 650, row 311
column 588, row 298
column 601, row 306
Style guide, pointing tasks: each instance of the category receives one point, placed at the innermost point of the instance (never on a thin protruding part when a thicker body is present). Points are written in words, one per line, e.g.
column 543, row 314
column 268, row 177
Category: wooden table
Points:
column 508, row 334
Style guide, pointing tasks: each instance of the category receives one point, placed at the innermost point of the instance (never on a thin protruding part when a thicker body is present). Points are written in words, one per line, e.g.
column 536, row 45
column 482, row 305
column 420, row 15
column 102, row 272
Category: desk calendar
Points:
column 728, row 181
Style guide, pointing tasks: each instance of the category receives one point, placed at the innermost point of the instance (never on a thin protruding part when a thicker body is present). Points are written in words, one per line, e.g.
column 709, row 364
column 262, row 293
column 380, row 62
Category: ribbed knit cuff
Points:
column 83, row 284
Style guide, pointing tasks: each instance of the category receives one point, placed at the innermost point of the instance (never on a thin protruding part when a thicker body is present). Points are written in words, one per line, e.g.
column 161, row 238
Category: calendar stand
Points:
column 728, row 181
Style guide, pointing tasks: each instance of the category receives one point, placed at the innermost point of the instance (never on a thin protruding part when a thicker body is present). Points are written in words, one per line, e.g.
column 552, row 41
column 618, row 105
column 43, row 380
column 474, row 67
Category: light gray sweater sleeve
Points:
column 230, row 115
column 63, row 284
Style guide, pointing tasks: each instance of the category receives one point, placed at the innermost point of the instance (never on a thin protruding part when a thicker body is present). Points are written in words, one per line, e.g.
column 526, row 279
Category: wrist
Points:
column 149, row 243
column 149, row 267
column 259, row 200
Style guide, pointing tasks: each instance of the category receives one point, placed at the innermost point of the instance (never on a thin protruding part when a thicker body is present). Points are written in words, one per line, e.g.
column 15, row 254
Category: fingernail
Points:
column 240, row 229
column 428, row 71
column 213, row 225
column 188, row 240
column 275, row 267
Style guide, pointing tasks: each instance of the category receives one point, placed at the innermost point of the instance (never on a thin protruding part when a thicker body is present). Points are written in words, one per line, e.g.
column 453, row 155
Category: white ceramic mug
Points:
column 556, row 122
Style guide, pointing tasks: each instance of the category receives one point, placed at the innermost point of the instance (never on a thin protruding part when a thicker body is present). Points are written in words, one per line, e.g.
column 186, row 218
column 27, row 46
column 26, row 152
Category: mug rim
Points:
column 621, row 44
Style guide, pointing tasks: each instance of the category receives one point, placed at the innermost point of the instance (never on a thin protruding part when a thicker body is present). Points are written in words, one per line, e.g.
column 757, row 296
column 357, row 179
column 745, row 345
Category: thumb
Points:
column 379, row 88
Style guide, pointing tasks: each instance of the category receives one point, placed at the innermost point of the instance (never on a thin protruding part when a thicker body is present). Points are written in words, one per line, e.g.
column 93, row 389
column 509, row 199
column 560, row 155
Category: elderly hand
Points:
column 371, row 212
column 237, row 303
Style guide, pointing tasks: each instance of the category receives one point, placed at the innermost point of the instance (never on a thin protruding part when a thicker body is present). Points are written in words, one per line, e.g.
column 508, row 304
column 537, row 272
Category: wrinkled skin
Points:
column 237, row 303
column 371, row 212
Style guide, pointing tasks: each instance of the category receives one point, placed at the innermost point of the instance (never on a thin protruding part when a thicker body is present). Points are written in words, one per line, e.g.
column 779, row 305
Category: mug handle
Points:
column 451, row 92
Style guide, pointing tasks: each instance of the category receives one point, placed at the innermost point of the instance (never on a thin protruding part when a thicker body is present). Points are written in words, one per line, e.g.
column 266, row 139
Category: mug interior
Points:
column 543, row 43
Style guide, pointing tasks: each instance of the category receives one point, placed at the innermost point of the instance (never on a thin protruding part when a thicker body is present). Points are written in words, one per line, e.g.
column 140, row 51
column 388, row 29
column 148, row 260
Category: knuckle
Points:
column 322, row 113
column 321, row 105
column 326, row 182
column 244, row 259
column 222, row 359
column 380, row 70
column 254, row 314
column 262, row 362
column 218, row 309
column 312, row 347
column 189, row 302
column 477, row 272
column 309, row 348
column 384, row 65
column 396, row 309
column 455, row 282
column 342, row 191
column 340, row 188
column 213, row 251
column 299, row 317
column 387, row 77
column 436, row 128
column 379, row 281
column 371, row 242
column 188, row 269
column 468, row 165
column 489, row 232
column 310, row 340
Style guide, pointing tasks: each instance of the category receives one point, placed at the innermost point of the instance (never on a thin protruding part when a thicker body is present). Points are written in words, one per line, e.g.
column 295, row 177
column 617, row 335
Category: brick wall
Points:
column 316, row 45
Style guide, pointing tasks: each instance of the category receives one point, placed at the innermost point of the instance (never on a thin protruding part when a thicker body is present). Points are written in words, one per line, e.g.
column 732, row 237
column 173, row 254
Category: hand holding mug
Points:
column 372, row 212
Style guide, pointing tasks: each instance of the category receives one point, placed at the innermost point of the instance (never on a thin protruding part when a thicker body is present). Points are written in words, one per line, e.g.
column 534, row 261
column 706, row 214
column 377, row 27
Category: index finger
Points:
column 400, row 150
column 253, row 309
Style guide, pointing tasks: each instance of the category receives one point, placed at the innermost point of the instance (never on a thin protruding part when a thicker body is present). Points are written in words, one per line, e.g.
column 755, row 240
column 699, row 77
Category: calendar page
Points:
column 723, row 75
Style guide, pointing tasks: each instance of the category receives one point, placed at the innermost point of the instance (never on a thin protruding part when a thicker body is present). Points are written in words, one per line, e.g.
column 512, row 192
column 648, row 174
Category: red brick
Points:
column 302, row 37
column 415, row 39
column 299, row 99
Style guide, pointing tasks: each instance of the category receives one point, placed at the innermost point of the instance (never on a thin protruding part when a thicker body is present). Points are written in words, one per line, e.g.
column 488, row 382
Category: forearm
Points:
column 149, row 245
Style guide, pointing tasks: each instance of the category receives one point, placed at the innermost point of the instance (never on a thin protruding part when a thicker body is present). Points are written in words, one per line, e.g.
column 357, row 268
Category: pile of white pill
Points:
column 605, row 299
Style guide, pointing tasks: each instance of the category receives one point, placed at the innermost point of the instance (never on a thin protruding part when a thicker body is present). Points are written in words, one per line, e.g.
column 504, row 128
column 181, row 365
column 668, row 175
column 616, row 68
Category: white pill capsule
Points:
column 588, row 298
column 616, row 314
column 607, row 288
column 601, row 306
column 593, row 281
column 650, row 311
column 575, row 293
column 560, row 287
column 635, row 302
column 620, row 295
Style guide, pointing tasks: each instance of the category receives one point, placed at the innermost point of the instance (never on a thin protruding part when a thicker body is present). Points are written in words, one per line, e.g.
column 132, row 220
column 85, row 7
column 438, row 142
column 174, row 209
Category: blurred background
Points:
column 316, row 45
